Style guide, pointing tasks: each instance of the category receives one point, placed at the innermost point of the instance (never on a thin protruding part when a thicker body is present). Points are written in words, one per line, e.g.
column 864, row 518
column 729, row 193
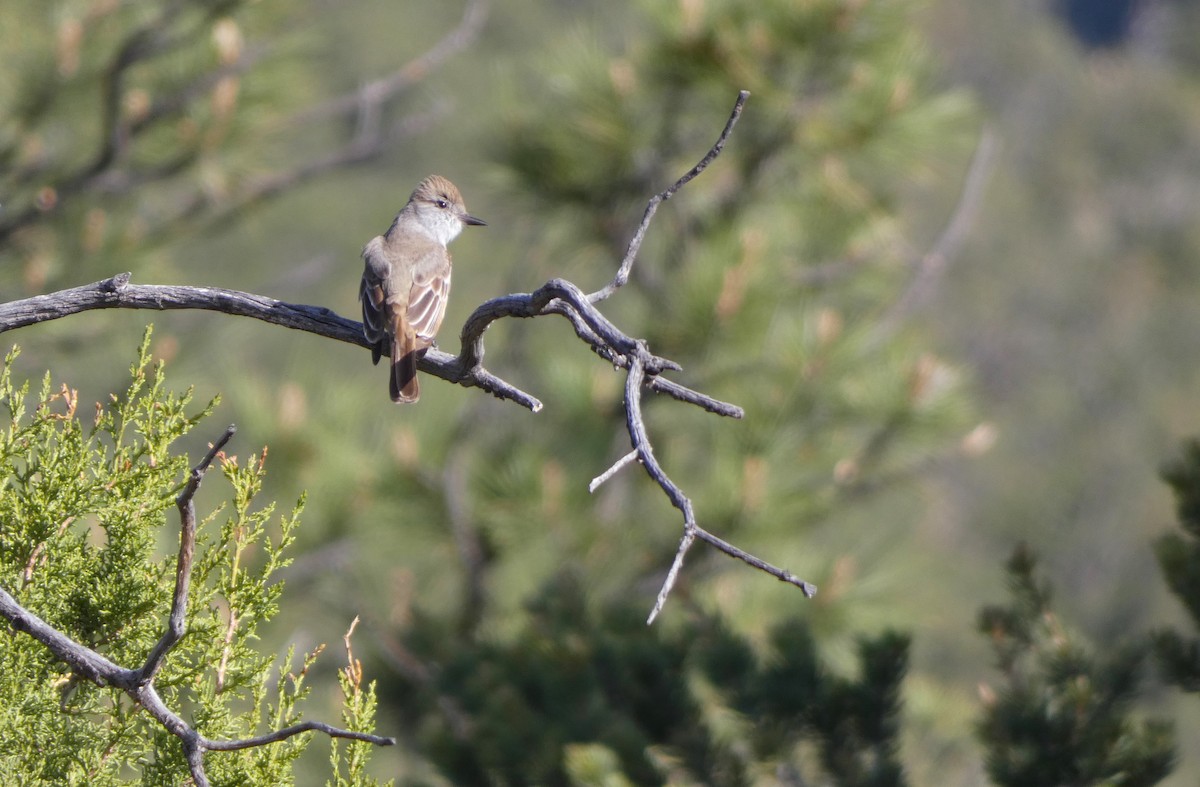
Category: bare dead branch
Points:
column 808, row 588
column 683, row 394
column 691, row 531
column 84, row 662
column 296, row 729
column 139, row 683
column 555, row 297
column 119, row 293
column 559, row 296
column 643, row 369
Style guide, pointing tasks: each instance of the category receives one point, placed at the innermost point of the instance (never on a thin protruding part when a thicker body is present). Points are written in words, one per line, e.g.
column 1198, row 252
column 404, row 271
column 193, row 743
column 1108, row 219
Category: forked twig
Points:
column 643, row 370
column 691, row 531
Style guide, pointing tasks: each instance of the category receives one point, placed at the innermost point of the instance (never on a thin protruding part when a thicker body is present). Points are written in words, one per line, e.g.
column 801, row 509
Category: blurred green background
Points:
column 936, row 360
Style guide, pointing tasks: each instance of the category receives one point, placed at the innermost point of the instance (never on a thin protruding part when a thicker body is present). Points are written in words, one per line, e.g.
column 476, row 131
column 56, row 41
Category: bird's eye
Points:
column 442, row 204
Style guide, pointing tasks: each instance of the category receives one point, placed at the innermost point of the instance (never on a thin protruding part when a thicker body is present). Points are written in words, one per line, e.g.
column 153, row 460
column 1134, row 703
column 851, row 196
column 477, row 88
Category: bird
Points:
column 406, row 280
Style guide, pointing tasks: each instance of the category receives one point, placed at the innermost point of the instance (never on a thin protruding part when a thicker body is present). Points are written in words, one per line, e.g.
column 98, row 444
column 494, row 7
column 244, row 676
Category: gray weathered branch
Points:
column 119, row 293
column 643, row 368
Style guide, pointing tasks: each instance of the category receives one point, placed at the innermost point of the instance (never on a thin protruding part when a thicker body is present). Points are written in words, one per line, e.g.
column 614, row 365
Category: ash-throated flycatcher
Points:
column 407, row 280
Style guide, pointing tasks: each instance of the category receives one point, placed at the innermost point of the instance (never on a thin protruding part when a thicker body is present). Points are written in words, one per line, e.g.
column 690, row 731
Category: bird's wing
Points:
column 430, row 293
column 372, row 293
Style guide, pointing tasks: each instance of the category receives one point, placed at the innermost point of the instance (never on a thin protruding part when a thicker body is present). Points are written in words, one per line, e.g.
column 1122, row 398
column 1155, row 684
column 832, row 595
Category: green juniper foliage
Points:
column 348, row 759
column 1063, row 715
column 84, row 508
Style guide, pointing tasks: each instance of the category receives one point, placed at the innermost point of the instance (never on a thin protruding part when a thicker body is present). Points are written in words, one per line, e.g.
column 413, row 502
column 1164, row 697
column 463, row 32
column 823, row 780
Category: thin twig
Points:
column 783, row 575
column 612, row 471
column 635, row 243
column 296, row 729
column 183, row 567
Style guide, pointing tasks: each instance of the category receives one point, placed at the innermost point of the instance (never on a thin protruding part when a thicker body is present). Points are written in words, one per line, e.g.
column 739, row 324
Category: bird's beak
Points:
column 472, row 221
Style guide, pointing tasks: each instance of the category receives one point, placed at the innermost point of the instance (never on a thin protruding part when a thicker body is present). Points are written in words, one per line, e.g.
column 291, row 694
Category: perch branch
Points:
column 119, row 293
column 139, row 683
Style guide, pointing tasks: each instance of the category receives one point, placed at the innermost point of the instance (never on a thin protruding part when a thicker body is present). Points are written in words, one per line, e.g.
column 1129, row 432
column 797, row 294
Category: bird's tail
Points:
column 403, row 385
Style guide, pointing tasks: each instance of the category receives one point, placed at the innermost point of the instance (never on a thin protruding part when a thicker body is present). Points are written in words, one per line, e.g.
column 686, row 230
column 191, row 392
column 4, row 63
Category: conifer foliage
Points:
column 85, row 498
column 1063, row 715
column 592, row 696
column 1179, row 557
